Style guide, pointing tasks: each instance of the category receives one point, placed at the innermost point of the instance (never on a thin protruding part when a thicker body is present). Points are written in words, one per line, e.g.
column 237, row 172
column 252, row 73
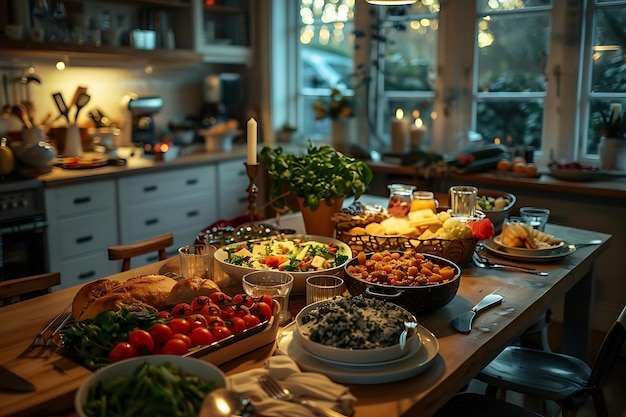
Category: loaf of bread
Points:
column 189, row 288
column 142, row 293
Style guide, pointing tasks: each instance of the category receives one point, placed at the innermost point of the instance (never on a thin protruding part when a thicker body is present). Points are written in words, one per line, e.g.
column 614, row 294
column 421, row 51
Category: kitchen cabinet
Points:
column 233, row 184
column 222, row 30
column 218, row 33
column 180, row 201
column 82, row 224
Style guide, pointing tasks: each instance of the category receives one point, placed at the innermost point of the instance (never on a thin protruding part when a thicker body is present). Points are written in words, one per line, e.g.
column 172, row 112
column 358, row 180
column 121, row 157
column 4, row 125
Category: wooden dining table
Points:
column 460, row 356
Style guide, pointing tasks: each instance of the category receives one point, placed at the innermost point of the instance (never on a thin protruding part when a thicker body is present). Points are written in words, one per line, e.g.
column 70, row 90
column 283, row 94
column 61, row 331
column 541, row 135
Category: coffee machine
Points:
column 142, row 110
column 222, row 99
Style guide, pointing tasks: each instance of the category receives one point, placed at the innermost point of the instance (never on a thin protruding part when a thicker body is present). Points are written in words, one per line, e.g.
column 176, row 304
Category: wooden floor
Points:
column 615, row 392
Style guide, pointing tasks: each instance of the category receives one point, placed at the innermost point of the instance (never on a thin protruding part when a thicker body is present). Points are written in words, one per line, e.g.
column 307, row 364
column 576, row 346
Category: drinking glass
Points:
column 276, row 284
column 537, row 217
column 424, row 200
column 323, row 287
column 196, row 261
column 463, row 200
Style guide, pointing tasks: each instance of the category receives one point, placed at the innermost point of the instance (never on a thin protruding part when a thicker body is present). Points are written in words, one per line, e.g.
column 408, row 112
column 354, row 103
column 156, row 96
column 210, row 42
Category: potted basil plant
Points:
column 320, row 179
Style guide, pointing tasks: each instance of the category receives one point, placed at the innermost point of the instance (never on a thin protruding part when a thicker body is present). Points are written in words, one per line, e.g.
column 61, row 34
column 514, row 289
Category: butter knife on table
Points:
column 463, row 323
column 11, row 381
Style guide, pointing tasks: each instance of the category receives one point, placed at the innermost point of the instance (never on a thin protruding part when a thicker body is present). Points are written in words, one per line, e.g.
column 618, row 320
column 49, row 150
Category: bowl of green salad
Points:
column 149, row 385
column 301, row 255
column 496, row 206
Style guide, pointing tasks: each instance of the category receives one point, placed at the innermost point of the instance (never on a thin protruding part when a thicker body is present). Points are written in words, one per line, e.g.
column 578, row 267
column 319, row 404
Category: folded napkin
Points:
column 310, row 386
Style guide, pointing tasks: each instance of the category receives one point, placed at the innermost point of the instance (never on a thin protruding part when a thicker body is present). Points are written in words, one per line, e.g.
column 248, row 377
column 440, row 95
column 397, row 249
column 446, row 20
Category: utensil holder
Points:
column 73, row 143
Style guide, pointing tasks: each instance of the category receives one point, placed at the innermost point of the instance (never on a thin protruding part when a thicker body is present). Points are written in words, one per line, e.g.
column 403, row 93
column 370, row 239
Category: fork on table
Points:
column 275, row 390
column 45, row 345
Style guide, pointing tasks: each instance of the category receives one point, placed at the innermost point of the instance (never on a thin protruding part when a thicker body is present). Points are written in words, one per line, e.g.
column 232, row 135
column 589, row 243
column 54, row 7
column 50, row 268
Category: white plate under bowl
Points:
column 299, row 278
column 188, row 366
column 410, row 365
column 356, row 356
column 530, row 255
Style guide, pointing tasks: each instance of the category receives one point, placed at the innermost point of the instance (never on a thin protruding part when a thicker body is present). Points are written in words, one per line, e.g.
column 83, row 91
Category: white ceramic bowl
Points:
column 354, row 355
column 189, row 366
column 299, row 278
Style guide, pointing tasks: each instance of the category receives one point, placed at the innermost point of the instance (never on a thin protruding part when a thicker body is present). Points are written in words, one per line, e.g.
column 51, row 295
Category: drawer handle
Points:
column 150, row 188
column 151, row 222
column 193, row 213
column 84, row 239
column 86, row 275
column 192, row 181
column 82, row 200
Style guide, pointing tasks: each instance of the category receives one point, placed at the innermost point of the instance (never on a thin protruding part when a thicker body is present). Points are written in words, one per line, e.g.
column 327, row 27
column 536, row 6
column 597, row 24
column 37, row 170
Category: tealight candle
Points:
column 252, row 134
column 399, row 132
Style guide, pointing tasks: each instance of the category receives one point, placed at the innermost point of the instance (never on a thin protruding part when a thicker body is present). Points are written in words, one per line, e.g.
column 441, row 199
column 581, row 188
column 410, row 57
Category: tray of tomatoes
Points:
column 201, row 328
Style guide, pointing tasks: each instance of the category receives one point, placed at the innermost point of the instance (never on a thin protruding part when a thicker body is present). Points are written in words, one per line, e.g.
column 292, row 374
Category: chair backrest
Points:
column 130, row 250
column 19, row 289
column 609, row 352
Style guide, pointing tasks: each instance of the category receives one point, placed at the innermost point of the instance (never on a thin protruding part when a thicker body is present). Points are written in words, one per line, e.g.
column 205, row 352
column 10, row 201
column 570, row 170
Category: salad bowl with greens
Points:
column 301, row 255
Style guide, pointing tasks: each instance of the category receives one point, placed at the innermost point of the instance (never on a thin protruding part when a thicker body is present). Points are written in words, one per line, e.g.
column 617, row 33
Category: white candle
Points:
column 252, row 131
column 399, row 132
column 417, row 134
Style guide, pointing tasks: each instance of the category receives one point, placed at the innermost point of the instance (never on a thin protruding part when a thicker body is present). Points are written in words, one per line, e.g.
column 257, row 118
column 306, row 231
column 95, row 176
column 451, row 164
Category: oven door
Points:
column 23, row 248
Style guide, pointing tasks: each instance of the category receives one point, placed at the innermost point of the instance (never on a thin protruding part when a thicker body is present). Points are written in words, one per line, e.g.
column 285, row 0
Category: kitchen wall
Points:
column 111, row 88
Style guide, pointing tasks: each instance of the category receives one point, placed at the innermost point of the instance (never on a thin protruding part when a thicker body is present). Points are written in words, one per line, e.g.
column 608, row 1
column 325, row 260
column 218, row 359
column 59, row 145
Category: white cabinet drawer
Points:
column 233, row 185
column 84, row 198
column 80, row 270
column 168, row 185
column 82, row 234
column 149, row 220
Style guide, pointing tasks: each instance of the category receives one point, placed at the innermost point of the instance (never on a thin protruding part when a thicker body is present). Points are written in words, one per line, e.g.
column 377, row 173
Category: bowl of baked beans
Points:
column 419, row 282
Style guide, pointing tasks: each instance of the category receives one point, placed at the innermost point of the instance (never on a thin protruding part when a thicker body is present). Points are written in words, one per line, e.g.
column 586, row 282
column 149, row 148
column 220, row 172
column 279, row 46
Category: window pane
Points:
column 513, row 52
column 511, row 123
column 609, row 69
column 497, row 5
column 598, row 111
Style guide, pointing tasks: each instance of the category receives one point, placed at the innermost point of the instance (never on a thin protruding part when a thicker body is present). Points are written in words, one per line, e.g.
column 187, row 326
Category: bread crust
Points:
column 141, row 293
column 189, row 288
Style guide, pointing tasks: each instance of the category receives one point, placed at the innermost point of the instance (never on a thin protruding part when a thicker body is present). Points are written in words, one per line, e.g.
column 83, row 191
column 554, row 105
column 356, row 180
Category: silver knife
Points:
column 11, row 381
column 463, row 323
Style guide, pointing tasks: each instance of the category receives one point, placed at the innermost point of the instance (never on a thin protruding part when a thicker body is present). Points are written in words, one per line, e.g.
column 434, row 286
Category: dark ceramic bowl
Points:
column 497, row 217
column 422, row 299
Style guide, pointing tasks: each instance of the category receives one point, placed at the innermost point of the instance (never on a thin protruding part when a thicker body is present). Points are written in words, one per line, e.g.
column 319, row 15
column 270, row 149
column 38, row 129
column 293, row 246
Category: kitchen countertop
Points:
column 612, row 186
column 135, row 165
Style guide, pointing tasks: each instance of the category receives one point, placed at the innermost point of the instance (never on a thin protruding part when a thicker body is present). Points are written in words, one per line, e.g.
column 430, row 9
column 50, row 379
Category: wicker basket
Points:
column 458, row 251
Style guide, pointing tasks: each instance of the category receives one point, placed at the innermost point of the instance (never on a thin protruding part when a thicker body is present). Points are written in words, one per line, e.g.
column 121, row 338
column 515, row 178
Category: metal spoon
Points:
column 408, row 328
column 222, row 402
column 81, row 102
column 590, row 243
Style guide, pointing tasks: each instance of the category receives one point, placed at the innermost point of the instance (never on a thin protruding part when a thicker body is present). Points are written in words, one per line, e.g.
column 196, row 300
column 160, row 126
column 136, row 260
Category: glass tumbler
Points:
column 276, row 284
column 463, row 200
column 196, row 261
column 323, row 287
column 537, row 217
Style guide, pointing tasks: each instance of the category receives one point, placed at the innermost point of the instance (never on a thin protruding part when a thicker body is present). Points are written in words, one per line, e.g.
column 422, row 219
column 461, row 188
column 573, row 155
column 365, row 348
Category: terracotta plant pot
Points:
column 318, row 222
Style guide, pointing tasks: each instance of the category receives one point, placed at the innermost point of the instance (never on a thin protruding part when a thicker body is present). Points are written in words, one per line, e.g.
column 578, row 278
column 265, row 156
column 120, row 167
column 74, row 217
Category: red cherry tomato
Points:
column 161, row 333
column 199, row 302
column 263, row 311
column 175, row 347
column 215, row 321
column 210, row 310
column 179, row 325
column 221, row 332
column 165, row 315
column 221, row 299
column 184, row 338
column 237, row 325
column 182, row 309
column 197, row 320
column 141, row 341
column 251, row 320
column 121, row 351
column 200, row 337
column 267, row 300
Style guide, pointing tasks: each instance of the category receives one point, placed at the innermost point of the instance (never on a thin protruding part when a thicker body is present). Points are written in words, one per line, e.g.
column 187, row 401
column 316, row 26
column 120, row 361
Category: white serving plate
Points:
column 355, row 356
column 299, row 278
column 530, row 255
column 410, row 365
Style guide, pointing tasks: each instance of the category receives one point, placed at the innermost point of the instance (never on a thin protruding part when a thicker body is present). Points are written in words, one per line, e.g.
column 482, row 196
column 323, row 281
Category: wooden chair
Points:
column 20, row 289
column 468, row 404
column 558, row 377
column 130, row 250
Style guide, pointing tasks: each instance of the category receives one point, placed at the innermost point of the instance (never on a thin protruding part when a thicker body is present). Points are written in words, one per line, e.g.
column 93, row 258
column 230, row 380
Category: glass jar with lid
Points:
column 400, row 197
column 424, row 200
